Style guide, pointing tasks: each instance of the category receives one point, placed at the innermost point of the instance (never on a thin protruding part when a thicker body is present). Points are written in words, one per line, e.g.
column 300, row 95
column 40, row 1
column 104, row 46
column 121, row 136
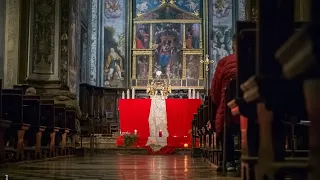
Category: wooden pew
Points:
column 61, row 136
column 13, row 111
column 196, row 151
column 71, row 125
column 47, row 119
column 31, row 115
column 4, row 125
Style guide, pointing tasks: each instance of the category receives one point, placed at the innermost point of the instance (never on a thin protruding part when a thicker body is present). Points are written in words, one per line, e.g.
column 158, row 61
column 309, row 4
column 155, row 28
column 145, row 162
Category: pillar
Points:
column 44, row 41
column 2, row 30
column 11, row 50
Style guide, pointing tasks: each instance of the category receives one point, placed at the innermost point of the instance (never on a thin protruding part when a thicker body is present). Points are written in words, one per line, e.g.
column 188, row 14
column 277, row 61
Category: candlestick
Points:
column 123, row 95
column 133, row 93
column 193, row 94
column 160, row 133
column 128, row 94
column 198, row 95
column 135, row 132
column 189, row 93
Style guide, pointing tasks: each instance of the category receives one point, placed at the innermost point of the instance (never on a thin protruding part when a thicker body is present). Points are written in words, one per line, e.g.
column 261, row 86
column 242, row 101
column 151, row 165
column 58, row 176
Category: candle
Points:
column 135, row 132
column 193, row 94
column 128, row 94
column 160, row 133
column 198, row 95
column 133, row 93
column 189, row 93
column 123, row 95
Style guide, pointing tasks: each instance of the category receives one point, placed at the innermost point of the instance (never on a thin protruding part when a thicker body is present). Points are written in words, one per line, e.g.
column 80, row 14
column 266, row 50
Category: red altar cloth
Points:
column 134, row 115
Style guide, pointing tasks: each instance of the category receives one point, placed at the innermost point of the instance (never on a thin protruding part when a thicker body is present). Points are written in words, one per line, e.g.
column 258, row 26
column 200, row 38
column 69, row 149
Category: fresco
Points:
column 193, row 64
column 192, row 6
column 167, row 55
column 115, row 43
column 142, row 36
column 192, row 36
column 144, row 6
column 142, row 67
column 220, row 32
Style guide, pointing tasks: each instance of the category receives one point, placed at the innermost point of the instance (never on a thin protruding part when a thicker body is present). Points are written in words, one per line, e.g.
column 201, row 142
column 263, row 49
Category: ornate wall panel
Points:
column 44, row 42
column 94, row 42
column 64, row 38
column 2, row 30
column 115, row 63
column 12, row 31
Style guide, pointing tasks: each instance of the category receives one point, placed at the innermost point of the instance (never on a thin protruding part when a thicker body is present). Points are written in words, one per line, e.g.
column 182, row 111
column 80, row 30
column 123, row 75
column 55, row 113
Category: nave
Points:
column 115, row 167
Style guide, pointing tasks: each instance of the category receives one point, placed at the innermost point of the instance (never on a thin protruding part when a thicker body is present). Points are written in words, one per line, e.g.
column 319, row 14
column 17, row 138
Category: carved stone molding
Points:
column 44, row 41
column 11, row 43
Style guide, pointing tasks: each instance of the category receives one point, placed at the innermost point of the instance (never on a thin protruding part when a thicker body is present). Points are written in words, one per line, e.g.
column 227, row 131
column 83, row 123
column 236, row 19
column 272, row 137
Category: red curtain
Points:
column 179, row 116
column 134, row 115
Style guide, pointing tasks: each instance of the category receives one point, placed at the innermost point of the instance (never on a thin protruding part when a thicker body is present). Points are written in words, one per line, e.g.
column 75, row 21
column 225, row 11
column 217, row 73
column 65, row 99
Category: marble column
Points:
column 11, row 51
column 44, row 41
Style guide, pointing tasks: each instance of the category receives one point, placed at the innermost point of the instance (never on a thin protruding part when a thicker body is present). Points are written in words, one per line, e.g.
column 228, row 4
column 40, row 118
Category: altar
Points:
column 161, row 125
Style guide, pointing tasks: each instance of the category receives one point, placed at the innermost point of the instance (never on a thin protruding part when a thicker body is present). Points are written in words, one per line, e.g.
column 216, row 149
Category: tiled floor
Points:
column 114, row 167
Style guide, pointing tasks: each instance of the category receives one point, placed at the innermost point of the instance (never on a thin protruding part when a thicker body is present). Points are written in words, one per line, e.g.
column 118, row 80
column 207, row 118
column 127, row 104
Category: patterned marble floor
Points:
column 115, row 167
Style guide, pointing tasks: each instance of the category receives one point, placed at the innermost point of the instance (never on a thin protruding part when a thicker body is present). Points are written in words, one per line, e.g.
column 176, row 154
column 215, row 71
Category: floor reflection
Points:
column 115, row 167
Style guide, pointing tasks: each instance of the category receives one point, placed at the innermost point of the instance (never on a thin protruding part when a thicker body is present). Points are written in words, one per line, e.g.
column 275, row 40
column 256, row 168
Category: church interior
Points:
column 159, row 89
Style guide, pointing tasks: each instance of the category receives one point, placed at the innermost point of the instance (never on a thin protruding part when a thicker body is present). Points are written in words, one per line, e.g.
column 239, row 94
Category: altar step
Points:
column 104, row 144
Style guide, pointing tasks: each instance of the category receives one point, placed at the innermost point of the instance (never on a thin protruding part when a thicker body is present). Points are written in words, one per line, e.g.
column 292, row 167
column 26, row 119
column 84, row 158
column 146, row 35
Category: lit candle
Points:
column 133, row 93
column 123, row 95
column 128, row 94
column 160, row 133
column 194, row 94
column 189, row 93
column 198, row 95
column 135, row 132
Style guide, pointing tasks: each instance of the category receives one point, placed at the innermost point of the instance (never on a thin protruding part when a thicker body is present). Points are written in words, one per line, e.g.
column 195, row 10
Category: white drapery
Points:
column 157, row 123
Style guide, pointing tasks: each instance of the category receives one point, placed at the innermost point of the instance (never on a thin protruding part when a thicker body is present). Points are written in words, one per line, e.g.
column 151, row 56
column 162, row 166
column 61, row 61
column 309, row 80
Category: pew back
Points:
column 60, row 115
column 31, row 110
column 71, row 118
column 47, row 113
column 13, row 109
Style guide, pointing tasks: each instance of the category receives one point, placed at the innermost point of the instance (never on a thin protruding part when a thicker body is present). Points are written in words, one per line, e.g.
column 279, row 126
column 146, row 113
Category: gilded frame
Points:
column 202, row 46
column 201, row 73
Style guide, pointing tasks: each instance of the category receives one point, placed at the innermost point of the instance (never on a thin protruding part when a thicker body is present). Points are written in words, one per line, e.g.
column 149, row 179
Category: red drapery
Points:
column 134, row 115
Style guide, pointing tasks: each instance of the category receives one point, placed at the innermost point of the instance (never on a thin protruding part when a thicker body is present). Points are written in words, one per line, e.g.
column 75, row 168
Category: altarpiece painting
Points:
column 167, row 36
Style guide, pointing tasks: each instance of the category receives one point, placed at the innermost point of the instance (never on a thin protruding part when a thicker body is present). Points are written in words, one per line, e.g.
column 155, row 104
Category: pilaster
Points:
column 11, row 51
column 44, row 41
column 2, row 31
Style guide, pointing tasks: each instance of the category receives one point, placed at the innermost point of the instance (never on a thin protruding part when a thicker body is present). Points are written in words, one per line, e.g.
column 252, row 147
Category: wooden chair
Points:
column 31, row 115
column 47, row 119
column 13, row 111
column 61, row 135
column 4, row 126
column 71, row 125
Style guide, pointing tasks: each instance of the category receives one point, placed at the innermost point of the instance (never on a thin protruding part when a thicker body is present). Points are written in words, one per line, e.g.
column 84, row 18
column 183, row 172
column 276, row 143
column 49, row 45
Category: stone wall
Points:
column 2, row 29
